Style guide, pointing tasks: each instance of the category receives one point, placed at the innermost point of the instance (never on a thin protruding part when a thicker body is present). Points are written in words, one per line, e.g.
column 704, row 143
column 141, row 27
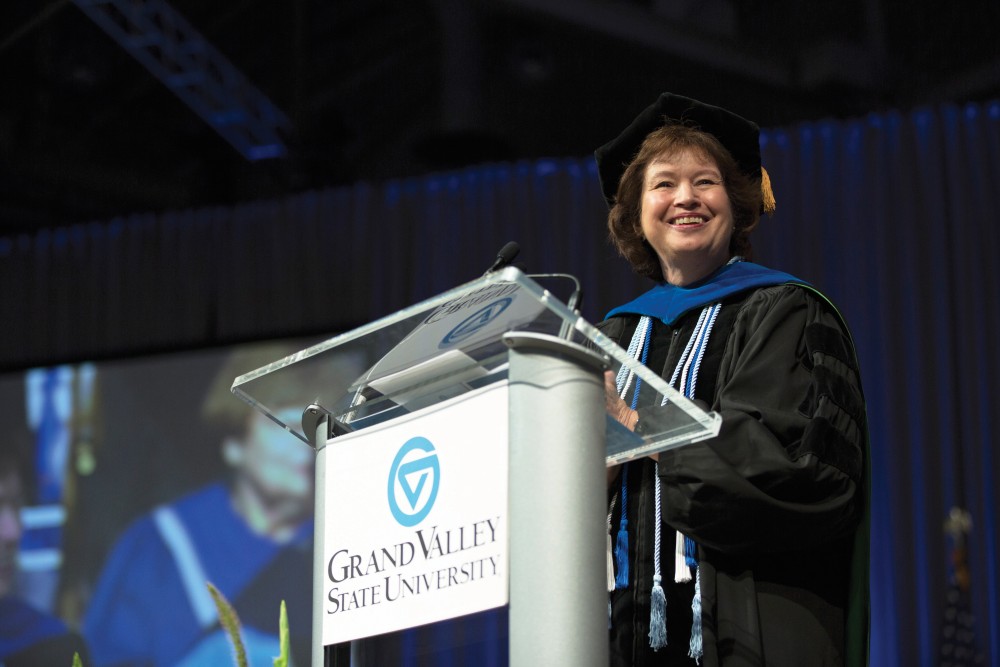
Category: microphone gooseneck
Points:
column 507, row 254
column 575, row 298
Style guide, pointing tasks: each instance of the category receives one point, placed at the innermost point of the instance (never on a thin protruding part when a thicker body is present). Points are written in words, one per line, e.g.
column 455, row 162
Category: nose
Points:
column 684, row 194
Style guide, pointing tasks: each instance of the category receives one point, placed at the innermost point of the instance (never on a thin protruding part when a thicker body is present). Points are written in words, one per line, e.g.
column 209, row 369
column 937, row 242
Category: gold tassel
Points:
column 766, row 193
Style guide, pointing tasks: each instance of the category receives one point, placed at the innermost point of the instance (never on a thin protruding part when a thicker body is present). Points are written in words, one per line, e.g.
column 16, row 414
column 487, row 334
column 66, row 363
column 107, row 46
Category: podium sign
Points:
column 420, row 517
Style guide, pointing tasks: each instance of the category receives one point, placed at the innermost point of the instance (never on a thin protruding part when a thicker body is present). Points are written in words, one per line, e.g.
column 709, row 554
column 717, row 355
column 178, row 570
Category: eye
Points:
column 707, row 182
column 663, row 184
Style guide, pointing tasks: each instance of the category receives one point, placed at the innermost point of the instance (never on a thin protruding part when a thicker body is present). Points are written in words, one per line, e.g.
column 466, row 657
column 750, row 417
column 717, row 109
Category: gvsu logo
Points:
column 413, row 481
column 476, row 322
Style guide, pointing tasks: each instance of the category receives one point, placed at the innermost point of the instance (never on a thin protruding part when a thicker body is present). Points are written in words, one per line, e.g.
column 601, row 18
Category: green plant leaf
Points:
column 231, row 623
column 77, row 662
column 282, row 660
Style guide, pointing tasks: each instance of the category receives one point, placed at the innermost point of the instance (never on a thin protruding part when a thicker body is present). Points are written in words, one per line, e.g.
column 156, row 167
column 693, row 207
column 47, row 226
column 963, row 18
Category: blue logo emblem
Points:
column 413, row 481
column 476, row 322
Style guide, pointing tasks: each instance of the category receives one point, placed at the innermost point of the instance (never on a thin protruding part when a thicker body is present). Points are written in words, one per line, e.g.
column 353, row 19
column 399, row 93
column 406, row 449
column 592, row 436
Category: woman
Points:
column 762, row 531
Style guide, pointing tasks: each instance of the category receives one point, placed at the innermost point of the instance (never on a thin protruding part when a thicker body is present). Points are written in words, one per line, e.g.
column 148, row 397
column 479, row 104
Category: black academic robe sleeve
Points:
column 785, row 471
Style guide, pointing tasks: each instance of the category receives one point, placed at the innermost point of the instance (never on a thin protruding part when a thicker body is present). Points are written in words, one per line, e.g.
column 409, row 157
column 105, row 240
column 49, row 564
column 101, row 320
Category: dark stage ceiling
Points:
column 373, row 89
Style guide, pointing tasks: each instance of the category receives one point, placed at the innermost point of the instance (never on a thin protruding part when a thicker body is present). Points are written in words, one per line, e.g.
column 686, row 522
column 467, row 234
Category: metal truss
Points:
column 169, row 47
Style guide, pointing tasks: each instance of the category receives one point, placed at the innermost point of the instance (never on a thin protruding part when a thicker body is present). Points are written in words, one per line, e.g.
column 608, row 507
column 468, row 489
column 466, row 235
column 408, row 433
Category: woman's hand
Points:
column 615, row 406
column 620, row 411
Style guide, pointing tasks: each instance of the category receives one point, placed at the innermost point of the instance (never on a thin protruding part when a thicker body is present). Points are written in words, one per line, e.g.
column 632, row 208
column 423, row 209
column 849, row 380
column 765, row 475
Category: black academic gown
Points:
column 777, row 502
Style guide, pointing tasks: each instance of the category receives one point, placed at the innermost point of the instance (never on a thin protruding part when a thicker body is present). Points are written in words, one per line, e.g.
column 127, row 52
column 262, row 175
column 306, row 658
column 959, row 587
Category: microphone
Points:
column 504, row 257
column 507, row 255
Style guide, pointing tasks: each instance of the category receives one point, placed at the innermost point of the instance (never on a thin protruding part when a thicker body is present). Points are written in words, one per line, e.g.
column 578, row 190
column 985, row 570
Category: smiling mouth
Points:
column 688, row 220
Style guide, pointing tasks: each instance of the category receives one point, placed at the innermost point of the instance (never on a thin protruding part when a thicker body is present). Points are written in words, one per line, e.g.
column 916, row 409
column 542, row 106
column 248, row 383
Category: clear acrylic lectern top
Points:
column 446, row 346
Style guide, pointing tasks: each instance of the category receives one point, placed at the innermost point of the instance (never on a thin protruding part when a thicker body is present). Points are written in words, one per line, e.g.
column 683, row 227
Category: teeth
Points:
column 690, row 220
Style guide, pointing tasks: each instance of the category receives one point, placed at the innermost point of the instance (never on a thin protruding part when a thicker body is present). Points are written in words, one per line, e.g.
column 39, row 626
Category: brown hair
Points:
column 624, row 218
column 298, row 385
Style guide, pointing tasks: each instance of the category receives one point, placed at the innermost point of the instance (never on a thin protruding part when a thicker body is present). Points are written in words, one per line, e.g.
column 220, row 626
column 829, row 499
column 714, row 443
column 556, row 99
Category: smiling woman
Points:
column 653, row 176
column 750, row 548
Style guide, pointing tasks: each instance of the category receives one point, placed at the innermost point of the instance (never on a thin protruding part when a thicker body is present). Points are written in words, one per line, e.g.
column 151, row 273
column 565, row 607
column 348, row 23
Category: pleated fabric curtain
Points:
column 894, row 215
column 318, row 261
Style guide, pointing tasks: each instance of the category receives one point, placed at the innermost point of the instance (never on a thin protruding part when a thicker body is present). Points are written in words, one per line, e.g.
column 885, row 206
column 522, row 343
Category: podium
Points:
column 464, row 469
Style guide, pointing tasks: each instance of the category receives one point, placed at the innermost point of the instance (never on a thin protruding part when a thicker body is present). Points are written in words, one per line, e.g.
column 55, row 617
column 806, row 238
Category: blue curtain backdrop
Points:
column 894, row 215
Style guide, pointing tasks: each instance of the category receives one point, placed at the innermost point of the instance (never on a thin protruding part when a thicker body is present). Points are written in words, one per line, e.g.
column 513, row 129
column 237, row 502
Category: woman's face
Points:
column 686, row 215
column 277, row 466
